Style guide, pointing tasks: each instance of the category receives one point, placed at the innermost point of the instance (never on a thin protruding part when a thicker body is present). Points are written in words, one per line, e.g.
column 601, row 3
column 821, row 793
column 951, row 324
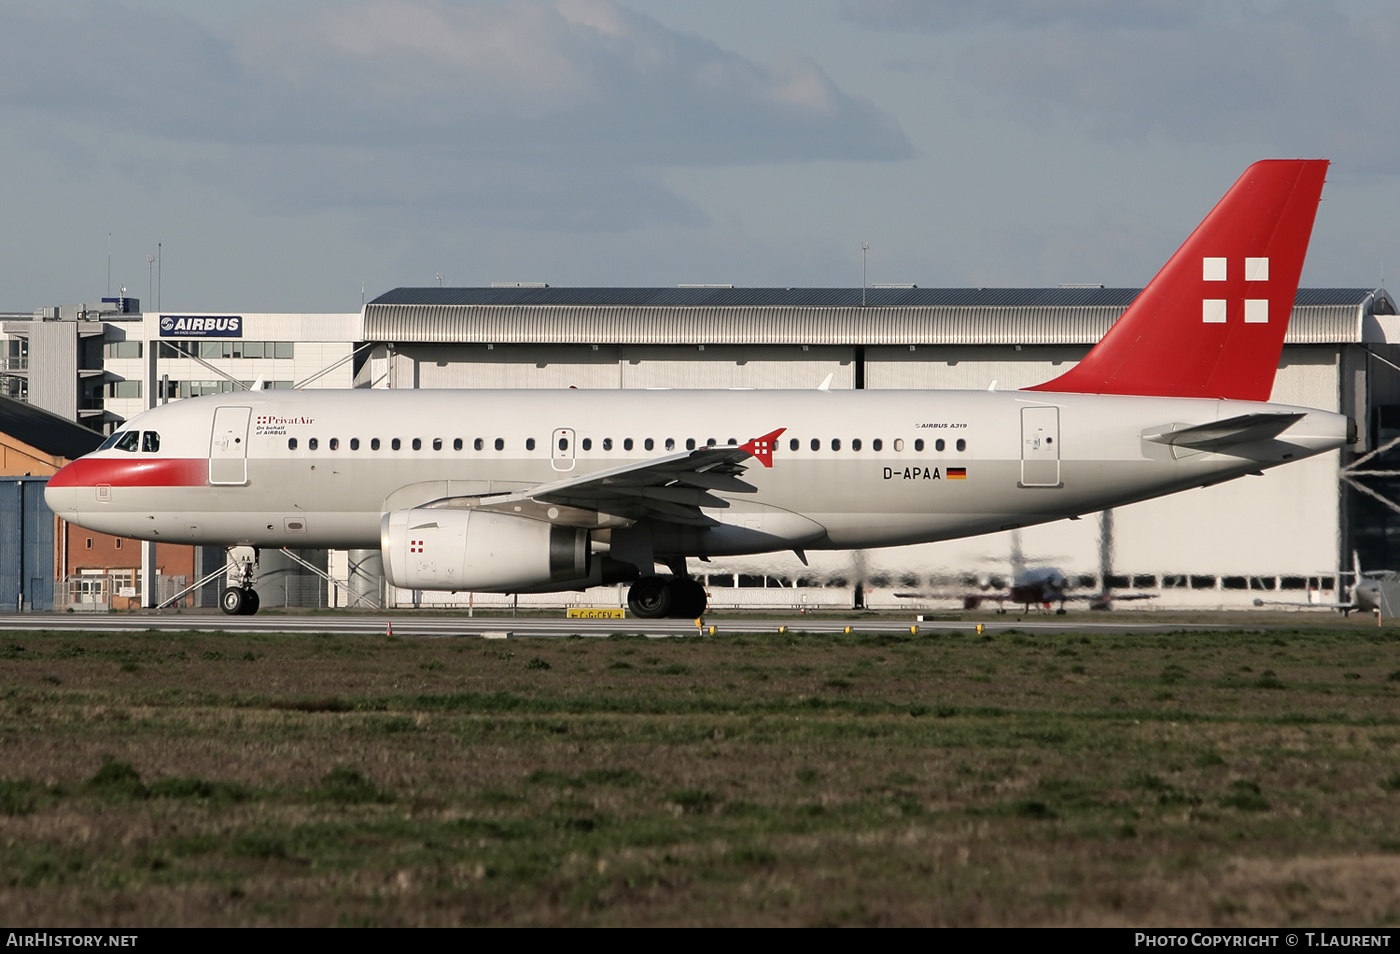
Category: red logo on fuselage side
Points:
column 762, row 447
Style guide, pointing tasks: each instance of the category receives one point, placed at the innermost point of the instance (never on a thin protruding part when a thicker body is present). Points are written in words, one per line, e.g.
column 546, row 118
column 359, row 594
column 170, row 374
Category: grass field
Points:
column 1228, row 778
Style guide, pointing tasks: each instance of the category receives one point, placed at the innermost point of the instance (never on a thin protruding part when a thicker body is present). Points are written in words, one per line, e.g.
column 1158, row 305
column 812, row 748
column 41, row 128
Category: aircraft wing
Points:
column 673, row 489
column 1229, row 432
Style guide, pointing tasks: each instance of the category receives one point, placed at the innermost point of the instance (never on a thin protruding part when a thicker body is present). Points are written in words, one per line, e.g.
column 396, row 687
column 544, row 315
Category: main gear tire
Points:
column 688, row 599
column 650, row 598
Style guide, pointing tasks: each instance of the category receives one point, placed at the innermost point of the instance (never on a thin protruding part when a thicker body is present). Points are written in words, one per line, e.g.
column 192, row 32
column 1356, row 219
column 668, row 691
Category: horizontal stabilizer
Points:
column 1229, row 432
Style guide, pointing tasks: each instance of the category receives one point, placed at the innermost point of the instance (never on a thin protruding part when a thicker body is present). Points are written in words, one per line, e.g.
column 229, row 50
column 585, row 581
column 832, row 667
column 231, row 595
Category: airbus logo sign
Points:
column 201, row 326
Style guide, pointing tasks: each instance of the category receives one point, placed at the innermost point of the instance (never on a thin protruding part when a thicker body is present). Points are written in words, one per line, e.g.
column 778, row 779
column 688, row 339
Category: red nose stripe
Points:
column 136, row 472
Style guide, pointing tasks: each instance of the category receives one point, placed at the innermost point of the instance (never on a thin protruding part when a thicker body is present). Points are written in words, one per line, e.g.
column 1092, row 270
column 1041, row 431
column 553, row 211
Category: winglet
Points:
column 762, row 447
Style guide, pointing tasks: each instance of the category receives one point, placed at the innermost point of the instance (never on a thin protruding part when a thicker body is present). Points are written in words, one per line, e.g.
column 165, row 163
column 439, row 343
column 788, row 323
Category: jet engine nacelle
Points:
column 431, row 549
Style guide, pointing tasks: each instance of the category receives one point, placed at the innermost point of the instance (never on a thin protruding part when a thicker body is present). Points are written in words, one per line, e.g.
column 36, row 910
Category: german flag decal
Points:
column 957, row 473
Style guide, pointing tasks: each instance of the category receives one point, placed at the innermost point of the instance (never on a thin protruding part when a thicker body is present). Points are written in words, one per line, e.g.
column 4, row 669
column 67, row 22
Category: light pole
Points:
column 864, row 247
column 150, row 280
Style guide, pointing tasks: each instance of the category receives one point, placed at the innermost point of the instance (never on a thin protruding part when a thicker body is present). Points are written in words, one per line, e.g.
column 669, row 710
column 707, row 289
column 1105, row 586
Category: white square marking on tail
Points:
column 1256, row 269
column 1213, row 311
column 1213, row 269
column 1256, row 311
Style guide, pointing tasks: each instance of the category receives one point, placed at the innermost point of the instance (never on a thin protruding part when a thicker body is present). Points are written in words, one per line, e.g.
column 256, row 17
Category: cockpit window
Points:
column 150, row 442
column 112, row 440
column 129, row 442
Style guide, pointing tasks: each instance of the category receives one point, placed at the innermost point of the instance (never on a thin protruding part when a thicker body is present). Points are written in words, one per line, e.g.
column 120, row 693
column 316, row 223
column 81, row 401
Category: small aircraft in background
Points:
column 1042, row 586
column 1366, row 595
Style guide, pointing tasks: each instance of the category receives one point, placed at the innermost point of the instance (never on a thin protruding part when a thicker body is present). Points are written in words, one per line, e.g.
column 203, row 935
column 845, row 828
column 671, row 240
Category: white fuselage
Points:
column 910, row 466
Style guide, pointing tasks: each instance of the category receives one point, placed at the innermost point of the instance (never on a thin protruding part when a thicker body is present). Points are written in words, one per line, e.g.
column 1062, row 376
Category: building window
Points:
column 124, row 389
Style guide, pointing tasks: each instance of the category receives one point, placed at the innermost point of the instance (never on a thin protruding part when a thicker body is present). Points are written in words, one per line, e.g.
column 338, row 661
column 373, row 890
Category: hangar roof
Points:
column 723, row 315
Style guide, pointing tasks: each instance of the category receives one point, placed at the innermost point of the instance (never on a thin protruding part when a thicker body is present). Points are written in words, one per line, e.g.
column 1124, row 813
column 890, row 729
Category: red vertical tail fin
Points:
column 1211, row 323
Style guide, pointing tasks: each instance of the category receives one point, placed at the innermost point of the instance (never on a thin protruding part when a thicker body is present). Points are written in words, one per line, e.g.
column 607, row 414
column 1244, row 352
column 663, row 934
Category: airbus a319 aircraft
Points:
column 532, row 491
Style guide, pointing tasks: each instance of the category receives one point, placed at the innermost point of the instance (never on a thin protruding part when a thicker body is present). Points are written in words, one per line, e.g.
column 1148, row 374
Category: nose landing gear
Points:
column 242, row 600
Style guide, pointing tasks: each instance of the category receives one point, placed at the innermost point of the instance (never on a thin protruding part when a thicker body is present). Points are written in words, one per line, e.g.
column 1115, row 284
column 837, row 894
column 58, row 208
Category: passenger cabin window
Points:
column 899, row 443
column 150, row 442
column 312, row 444
column 418, row 443
column 529, row 443
column 354, row 443
column 395, row 444
column 816, row 443
column 500, row 444
column 291, row 443
column 877, row 444
column 563, row 443
column 939, row 444
column 627, row 443
column 919, row 445
column 962, row 444
column 690, row 443
column 607, row 443
column 794, row 444
column 836, row 443
column 129, row 442
column 457, row 444
column 855, row 443
column 588, row 443
column 670, row 443
column 437, row 443
column 477, row 444
column 335, row 443
column 374, row 443
column 649, row 443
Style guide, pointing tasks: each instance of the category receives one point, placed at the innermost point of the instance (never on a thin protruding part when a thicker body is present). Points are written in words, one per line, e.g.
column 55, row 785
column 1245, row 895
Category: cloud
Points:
column 1293, row 78
column 577, row 104
column 941, row 15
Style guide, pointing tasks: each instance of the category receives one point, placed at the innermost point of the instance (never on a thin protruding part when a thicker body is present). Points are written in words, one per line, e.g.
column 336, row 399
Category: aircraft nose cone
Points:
column 61, row 492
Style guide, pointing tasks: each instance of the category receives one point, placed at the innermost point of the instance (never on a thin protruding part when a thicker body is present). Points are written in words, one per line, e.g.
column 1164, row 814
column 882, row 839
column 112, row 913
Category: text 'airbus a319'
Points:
column 533, row 491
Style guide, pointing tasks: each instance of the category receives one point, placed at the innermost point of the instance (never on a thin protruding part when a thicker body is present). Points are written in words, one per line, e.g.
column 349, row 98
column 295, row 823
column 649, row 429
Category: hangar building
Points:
column 1279, row 536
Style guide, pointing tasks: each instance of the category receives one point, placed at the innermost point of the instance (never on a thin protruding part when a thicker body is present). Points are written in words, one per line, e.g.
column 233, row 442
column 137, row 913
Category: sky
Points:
column 294, row 156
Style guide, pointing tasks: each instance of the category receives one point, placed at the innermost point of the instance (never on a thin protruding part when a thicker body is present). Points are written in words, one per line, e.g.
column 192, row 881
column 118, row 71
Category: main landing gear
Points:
column 242, row 600
column 655, row 597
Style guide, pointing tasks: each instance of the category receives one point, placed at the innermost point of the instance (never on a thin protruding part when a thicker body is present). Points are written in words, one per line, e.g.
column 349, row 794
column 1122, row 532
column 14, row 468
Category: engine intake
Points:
column 429, row 549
